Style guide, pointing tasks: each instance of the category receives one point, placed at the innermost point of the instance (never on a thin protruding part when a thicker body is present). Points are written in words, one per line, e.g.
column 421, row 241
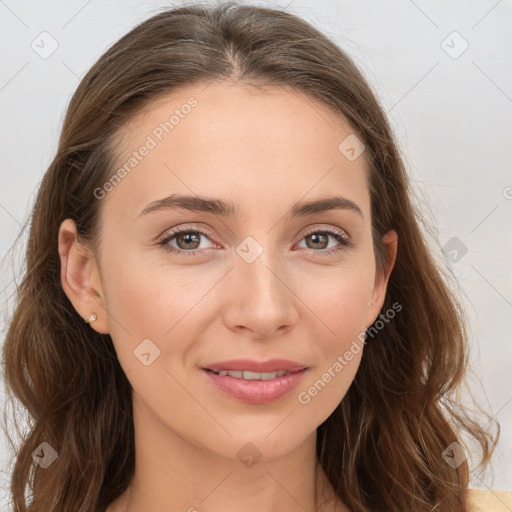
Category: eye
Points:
column 189, row 240
column 321, row 236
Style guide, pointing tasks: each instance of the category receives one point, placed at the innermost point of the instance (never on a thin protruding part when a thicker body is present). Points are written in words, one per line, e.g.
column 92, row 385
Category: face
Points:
column 258, row 283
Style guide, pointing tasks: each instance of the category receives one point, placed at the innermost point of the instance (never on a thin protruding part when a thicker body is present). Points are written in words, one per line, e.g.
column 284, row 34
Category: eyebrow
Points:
column 226, row 209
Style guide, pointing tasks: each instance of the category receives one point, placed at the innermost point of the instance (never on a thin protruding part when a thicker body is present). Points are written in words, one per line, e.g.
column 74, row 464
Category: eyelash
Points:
column 344, row 241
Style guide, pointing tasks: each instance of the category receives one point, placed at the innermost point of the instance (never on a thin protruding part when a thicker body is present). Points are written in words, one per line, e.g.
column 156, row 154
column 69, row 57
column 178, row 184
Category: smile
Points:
column 247, row 375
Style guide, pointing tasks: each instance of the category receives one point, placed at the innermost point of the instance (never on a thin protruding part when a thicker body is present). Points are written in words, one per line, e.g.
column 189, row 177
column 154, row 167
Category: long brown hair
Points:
column 382, row 447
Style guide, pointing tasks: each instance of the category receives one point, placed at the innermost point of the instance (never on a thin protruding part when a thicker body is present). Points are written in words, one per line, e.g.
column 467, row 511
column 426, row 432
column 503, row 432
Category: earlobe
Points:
column 390, row 240
column 80, row 277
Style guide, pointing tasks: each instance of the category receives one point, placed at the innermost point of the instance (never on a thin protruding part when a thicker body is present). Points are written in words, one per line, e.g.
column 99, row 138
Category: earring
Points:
column 90, row 319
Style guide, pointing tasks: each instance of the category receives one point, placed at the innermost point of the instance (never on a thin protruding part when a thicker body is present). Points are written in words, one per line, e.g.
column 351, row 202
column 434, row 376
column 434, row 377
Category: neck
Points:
column 172, row 471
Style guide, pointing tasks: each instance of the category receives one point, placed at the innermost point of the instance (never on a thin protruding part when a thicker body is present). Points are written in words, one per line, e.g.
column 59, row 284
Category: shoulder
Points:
column 490, row 501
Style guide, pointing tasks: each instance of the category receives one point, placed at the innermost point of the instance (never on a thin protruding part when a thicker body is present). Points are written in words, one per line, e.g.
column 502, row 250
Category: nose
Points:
column 261, row 298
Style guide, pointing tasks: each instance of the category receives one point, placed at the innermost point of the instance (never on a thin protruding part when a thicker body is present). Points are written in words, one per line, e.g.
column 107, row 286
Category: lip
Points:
column 255, row 391
column 251, row 365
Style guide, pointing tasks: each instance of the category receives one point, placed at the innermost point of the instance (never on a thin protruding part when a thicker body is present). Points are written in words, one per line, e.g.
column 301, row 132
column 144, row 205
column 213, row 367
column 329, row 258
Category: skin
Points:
column 262, row 150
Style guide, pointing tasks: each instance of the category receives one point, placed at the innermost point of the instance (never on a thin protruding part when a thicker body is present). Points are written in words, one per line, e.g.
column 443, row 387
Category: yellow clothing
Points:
column 490, row 501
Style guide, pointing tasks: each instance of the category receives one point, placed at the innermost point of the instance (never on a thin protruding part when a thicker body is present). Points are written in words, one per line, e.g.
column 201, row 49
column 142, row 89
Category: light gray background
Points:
column 451, row 115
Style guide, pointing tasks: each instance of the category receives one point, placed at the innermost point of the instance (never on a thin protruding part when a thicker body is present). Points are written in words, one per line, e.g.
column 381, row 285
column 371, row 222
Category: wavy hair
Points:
column 382, row 447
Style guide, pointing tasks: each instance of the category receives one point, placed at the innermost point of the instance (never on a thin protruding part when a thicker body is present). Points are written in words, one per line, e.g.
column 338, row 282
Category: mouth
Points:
column 248, row 375
column 254, row 369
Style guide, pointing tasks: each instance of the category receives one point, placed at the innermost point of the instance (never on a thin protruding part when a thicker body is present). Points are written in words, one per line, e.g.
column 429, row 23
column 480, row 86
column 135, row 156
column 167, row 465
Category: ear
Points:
column 390, row 240
column 79, row 277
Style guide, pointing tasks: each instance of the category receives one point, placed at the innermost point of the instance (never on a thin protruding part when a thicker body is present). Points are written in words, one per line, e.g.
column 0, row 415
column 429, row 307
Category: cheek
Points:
column 150, row 301
column 341, row 306
column 340, row 299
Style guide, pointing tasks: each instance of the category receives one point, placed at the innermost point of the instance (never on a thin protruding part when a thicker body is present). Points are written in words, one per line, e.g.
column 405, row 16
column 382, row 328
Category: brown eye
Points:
column 319, row 241
column 185, row 239
column 187, row 242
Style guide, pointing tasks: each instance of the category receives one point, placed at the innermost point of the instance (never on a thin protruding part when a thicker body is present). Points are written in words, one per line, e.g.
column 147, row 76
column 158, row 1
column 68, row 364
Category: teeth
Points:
column 252, row 375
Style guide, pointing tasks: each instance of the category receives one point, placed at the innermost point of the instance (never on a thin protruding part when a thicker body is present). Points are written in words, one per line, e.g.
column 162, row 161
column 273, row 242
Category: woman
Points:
column 253, row 368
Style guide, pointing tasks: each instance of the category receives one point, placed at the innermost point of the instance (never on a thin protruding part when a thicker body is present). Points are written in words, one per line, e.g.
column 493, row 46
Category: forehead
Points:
column 250, row 145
